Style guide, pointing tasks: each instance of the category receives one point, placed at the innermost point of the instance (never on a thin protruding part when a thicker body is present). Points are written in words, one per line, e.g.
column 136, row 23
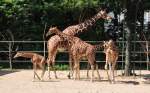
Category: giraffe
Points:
column 79, row 49
column 37, row 60
column 55, row 41
column 112, row 53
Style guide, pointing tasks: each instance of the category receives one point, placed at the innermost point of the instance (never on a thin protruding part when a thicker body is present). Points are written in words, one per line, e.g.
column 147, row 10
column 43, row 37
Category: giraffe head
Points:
column 51, row 31
column 19, row 54
column 107, row 44
column 103, row 14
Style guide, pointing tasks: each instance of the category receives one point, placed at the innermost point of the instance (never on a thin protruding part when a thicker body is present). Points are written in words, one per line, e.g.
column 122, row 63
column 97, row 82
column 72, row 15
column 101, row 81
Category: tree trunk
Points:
column 127, row 53
column 131, row 6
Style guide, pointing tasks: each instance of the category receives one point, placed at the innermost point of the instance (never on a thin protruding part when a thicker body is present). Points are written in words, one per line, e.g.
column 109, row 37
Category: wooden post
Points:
column 10, row 56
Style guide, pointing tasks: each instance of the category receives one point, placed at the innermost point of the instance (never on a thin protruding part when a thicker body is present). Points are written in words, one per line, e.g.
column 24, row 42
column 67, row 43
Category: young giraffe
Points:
column 112, row 53
column 55, row 41
column 36, row 59
column 79, row 49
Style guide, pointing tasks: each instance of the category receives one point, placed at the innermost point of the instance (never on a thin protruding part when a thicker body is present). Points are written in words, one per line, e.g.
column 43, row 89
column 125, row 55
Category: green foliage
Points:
column 1, row 67
column 28, row 17
column 62, row 67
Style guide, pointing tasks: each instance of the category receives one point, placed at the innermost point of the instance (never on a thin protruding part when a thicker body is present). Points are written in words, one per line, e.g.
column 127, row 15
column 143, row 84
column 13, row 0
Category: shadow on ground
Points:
column 128, row 82
column 146, row 77
column 4, row 72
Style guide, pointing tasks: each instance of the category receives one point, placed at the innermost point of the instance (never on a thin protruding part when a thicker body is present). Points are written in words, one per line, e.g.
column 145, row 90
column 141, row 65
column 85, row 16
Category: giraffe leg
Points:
column 70, row 75
column 92, row 68
column 70, row 66
column 72, row 72
column 43, row 71
column 73, row 66
column 106, row 68
column 35, row 74
column 48, row 63
column 98, row 72
column 76, row 72
column 42, row 66
column 54, row 70
column 110, row 72
column 78, row 69
column 113, row 70
column 113, row 77
column 49, row 72
column 53, row 62
column 88, row 67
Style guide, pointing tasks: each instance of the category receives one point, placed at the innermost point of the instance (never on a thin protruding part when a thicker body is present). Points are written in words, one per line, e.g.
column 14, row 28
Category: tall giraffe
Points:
column 55, row 42
column 79, row 49
column 112, row 53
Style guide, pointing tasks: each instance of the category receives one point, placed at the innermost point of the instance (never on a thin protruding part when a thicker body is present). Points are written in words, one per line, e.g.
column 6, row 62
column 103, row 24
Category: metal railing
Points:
column 142, row 50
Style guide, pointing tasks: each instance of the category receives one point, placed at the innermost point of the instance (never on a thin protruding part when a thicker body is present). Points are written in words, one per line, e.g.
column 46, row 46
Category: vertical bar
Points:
column 10, row 59
column 134, row 53
column 44, row 38
column 147, row 54
column 140, row 62
column 44, row 48
column 122, row 57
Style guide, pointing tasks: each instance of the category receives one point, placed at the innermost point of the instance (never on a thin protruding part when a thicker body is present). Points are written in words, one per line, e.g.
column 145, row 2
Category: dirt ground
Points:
column 21, row 81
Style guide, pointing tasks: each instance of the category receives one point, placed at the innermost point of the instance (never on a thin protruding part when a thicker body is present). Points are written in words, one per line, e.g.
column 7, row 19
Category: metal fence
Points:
column 139, row 54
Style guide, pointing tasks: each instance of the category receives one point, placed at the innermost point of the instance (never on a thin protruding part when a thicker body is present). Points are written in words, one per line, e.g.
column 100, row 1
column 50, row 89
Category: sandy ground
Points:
column 21, row 81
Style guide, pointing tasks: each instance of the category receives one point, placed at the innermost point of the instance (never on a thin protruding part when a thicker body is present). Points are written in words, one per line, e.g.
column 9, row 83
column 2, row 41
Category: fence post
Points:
column 147, row 54
column 10, row 56
column 44, row 48
column 44, row 38
column 122, row 64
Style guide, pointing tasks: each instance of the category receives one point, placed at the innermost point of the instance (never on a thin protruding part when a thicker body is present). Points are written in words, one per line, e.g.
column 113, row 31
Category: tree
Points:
column 132, row 17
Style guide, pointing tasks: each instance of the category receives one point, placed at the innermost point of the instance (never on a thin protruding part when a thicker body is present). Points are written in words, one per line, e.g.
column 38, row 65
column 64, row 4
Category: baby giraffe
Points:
column 36, row 59
column 79, row 49
column 112, row 53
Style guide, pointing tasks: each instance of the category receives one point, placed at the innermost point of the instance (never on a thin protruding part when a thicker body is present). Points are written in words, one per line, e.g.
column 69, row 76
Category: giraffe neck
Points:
column 27, row 55
column 87, row 24
column 98, row 46
column 64, row 36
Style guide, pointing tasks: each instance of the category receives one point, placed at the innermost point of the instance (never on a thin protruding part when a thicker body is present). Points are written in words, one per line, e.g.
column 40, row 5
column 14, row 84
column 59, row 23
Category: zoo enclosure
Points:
column 139, row 53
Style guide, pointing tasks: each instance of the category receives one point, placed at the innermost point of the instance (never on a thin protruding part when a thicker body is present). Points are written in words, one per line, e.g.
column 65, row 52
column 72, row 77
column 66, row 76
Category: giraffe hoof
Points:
column 33, row 80
column 99, row 78
column 49, row 78
column 75, row 78
column 41, row 79
column 91, row 80
column 87, row 76
column 69, row 77
column 56, row 77
column 113, row 82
